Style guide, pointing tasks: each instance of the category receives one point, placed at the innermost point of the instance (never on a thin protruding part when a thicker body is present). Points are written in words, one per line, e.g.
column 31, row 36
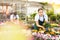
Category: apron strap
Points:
column 41, row 22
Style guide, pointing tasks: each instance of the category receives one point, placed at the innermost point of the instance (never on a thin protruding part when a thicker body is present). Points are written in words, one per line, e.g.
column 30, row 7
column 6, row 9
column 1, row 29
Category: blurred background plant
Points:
column 58, row 17
column 53, row 18
column 21, row 15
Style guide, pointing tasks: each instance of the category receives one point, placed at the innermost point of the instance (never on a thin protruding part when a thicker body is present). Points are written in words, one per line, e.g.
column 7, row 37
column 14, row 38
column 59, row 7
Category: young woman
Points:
column 40, row 18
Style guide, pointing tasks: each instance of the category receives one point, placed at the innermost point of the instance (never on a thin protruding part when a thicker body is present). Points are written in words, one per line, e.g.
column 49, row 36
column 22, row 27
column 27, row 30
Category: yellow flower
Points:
column 34, row 30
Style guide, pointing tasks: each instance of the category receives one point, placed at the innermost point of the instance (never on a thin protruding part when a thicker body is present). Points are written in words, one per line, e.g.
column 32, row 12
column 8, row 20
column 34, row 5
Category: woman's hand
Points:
column 43, row 27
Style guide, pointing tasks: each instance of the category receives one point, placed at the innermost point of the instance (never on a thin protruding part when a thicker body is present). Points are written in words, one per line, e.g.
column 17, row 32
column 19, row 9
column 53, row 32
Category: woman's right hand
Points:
column 42, row 27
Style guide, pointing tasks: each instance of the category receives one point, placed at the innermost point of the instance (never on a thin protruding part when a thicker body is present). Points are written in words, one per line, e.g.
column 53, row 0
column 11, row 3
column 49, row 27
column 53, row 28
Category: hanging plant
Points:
column 53, row 17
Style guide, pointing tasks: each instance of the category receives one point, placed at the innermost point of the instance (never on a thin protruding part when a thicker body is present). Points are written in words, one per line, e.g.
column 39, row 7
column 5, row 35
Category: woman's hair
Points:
column 40, row 9
column 15, row 13
column 11, row 13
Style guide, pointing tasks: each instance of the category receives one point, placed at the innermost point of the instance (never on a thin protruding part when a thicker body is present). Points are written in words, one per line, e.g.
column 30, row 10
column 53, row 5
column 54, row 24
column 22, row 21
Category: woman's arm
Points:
column 39, row 25
column 46, row 17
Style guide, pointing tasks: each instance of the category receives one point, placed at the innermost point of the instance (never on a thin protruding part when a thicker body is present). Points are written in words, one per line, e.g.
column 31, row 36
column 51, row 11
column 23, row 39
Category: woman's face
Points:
column 40, row 12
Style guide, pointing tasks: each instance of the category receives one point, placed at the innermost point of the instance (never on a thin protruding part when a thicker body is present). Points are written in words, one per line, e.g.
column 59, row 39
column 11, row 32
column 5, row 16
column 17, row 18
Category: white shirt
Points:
column 37, row 17
column 12, row 17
